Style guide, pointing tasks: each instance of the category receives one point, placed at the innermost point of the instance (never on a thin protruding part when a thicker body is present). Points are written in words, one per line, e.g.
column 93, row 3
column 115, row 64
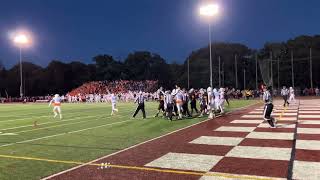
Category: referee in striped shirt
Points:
column 140, row 100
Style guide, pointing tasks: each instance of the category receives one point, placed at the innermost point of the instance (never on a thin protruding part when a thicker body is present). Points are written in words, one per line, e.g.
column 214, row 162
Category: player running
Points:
column 56, row 101
column 284, row 94
column 267, row 98
column 113, row 104
column 291, row 95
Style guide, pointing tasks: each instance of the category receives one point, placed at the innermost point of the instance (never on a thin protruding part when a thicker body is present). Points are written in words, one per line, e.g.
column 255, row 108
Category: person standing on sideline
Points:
column 284, row 94
column 140, row 100
column 268, row 107
column 56, row 101
column 113, row 104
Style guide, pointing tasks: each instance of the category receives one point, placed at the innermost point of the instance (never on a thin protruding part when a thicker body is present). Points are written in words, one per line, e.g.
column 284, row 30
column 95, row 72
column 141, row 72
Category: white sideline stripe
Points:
column 90, row 162
column 71, row 132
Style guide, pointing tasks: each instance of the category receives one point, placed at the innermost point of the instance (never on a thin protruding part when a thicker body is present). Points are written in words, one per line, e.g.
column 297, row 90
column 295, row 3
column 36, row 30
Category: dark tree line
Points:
column 60, row 77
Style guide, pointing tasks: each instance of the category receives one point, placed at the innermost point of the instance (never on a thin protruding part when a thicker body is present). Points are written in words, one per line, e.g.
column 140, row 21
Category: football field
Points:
column 30, row 137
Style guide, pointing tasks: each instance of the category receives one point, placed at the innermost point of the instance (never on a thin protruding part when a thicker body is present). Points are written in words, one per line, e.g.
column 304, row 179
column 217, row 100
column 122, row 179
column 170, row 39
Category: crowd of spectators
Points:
column 25, row 99
column 121, row 86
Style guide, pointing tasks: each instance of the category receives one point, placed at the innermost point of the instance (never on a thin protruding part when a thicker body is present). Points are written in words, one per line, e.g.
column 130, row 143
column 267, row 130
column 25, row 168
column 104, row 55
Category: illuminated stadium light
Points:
column 209, row 10
column 21, row 39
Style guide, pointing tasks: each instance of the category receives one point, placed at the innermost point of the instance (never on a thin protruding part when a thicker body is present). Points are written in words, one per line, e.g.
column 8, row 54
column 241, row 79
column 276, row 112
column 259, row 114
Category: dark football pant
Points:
column 285, row 99
column 186, row 109
column 267, row 114
column 140, row 107
column 169, row 110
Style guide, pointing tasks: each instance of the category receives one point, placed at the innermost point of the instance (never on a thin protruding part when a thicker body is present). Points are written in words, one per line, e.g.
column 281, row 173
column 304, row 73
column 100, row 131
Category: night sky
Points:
column 78, row 30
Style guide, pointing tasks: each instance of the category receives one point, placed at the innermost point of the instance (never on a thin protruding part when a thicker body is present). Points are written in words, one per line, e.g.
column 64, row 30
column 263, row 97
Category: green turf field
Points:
column 86, row 132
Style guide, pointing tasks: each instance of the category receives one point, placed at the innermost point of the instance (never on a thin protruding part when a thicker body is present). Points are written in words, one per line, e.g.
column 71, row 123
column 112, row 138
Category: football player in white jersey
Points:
column 210, row 103
column 291, row 95
column 179, row 102
column 113, row 104
column 56, row 101
column 222, row 99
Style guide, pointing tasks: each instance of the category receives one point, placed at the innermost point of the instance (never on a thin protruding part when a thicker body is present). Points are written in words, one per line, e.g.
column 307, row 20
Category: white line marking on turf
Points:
column 98, row 159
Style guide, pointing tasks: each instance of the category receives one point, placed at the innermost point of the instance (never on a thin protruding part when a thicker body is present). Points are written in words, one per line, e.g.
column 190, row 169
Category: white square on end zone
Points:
column 306, row 170
column 213, row 140
column 309, row 121
column 227, row 176
column 270, row 135
column 309, row 116
column 308, row 144
column 247, row 121
column 254, row 152
column 235, row 129
column 252, row 116
column 288, row 118
column 182, row 161
column 279, row 125
column 308, row 130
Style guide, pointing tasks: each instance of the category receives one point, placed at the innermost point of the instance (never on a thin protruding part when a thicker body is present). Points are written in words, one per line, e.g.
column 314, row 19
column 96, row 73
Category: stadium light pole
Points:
column 256, row 57
column 209, row 11
column 292, row 72
column 188, row 73
column 21, row 40
column 219, row 72
column 236, row 69
column 311, row 80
